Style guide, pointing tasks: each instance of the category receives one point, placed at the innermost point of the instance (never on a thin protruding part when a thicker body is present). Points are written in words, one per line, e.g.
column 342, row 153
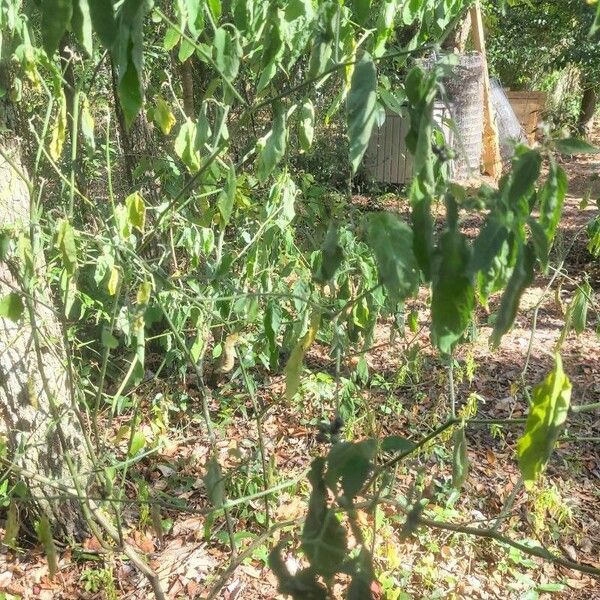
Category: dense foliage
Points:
column 170, row 150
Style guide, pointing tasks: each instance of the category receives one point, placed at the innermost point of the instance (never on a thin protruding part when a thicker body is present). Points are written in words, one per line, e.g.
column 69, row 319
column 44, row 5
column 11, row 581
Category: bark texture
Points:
column 587, row 111
column 37, row 421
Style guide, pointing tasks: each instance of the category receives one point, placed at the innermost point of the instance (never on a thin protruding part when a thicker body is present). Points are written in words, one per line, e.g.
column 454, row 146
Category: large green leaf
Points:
column 306, row 125
column 488, row 243
column 56, row 17
column 422, row 225
column 271, row 147
column 572, row 146
column 525, row 171
column 361, row 10
column 392, row 243
column 350, row 464
column 521, row 277
column 102, row 13
column 331, row 256
column 82, row 24
column 362, row 100
column 129, row 54
column 323, row 537
column 547, row 414
column 552, row 197
column 452, row 294
column 11, row 307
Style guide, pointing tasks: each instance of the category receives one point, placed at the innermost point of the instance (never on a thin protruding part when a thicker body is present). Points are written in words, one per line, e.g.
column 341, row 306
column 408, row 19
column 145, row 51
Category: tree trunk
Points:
column 37, row 420
column 587, row 111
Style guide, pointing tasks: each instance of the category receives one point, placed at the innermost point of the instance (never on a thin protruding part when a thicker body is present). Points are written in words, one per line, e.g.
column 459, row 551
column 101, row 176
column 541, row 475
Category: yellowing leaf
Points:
column 163, row 116
column 547, row 414
column 59, row 130
column 144, row 292
column 293, row 368
column 136, row 210
column 65, row 242
column 87, row 125
column 113, row 281
column 44, row 532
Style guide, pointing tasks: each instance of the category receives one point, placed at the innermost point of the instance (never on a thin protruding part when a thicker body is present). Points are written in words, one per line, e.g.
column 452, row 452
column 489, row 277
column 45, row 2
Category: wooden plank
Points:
column 491, row 159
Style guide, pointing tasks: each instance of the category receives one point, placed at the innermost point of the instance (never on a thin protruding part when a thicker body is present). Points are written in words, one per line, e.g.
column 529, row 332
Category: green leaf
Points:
column 56, row 17
column 578, row 308
column 81, row 24
column 271, row 148
column 573, row 146
column 87, row 125
column 350, row 464
column 44, row 533
column 226, row 199
column 65, row 243
column 521, row 277
column 215, row 8
column 163, row 116
column 11, row 529
column 488, row 244
column 186, row 146
column 361, row 10
column 307, row 125
column 172, row 37
column 102, row 13
column 323, row 537
column 108, row 340
column 547, row 414
column 396, row 443
column 524, row 174
column 11, row 307
column 226, row 52
column 452, row 293
column 540, row 242
column 293, row 367
column 214, row 482
column 136, row 211
column 361, row 104
column 272, row 323
column 138, row 441
column 331, row 257
column 460, row 458
column 195, row 16
column 392, row 243
column 422, row 225
column 129, row 54
column 552, row 198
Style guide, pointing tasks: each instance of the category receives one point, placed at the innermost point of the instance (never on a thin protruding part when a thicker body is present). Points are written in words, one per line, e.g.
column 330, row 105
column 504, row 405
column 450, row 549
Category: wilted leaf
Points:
column 226, row 199
column 214, row 482
column 331, row 257
column 323, row 537
column 113, row 281
column 306, row 125
column 59, row 129
column 44, row 532
column 271, row 147
column 186, row 146
column 521, row 277
column 11, row 529
column 163, row 115
column 87, row 125
column 547, row 415
column 293, row 367
column 108, row 340
column 460, row 458
column 396, row 443
column 65, row 242
column 136, row 211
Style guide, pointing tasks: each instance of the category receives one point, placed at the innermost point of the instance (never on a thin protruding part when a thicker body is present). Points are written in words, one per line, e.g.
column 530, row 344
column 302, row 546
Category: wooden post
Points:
column 491, row 159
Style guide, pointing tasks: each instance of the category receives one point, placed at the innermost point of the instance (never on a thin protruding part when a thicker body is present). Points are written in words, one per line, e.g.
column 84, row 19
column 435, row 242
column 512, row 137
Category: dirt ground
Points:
column 408, row 398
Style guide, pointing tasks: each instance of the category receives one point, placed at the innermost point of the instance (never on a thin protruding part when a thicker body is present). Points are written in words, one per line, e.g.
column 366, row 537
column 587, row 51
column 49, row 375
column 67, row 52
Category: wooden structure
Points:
column 527, row 107
column 491, row 161
column 387, row 159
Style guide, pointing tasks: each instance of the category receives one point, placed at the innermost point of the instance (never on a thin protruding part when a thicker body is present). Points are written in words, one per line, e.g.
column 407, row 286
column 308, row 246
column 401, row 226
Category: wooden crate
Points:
column 387, row 159
column 527, row 107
